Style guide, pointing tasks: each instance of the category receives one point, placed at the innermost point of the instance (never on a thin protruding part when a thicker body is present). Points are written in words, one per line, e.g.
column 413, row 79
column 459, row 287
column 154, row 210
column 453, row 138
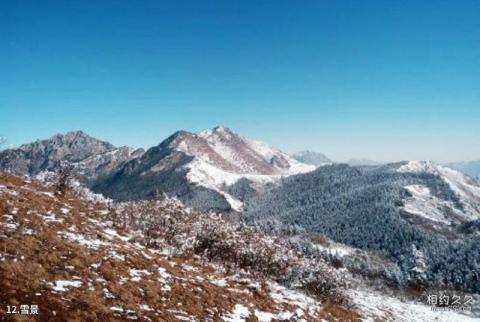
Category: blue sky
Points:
column 385, row 80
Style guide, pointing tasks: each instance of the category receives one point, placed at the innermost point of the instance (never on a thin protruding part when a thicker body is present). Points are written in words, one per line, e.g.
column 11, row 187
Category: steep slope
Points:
column 199, row 167
column 313, row 158
column 42, row 155
column 245, row 156
column 102, row 165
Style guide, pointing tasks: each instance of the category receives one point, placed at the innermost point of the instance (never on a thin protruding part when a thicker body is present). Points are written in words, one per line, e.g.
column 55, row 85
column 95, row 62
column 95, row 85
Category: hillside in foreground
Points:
column 83, row 260
column 80, row 257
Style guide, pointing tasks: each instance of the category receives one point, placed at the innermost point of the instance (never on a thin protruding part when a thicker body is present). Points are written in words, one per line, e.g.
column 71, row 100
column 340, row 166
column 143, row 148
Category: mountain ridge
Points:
column 201, row 165
column 41, row 155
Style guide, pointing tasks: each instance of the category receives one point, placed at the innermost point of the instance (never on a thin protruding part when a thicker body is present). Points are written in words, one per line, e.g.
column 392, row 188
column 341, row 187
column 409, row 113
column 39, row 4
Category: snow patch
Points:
column 422, row 203
column 137, row 274
column 467, row 189
column 82, row 240
column 239, row 314
column 62, row 285
column 379, row 307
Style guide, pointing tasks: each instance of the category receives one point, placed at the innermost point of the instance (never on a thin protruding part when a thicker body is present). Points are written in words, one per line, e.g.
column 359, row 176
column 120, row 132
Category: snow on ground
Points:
column 466, row 188
column 49, row 218
column 82, row 240
column 204, row 172
column 116, row 309
column 219, row 282
column 239, row 314
column 336, row 249
column 222, row 141
column 281, row 294
column 268, row 153
column 4, row 189
column 63, row 285
column 11, row 223
column 422, row 203
column 48, row 194
column 282, row 316
column 111, row 233
column 378, row 307
column 164, row 279
column 136, row 274
column 211, row 177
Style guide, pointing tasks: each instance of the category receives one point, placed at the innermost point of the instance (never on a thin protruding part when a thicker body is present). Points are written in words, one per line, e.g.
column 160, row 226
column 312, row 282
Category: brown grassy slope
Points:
column 45, row 239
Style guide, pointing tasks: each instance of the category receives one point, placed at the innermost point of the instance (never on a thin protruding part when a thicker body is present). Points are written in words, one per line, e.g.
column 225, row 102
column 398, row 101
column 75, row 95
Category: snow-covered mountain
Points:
column 229, row 152
column 422, row 202
column 222, row 157
column 310, row 157
column 201, row 165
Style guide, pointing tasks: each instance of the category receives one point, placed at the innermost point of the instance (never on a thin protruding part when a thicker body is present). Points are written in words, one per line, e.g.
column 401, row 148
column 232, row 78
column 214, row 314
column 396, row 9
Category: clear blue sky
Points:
column 385, row 80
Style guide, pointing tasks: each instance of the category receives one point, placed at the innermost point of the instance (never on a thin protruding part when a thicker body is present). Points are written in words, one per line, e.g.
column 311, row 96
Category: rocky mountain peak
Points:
column 31, row 158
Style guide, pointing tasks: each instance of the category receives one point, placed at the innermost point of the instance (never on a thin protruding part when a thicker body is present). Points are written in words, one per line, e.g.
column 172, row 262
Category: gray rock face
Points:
column 92, row 158
column 41, row 155
column 99, row 166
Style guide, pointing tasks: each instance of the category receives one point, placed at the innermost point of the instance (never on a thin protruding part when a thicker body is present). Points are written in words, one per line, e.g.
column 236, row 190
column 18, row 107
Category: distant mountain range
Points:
column 362, row 161
column 199, row 168
column 313, row 158
column 213, row 169
column 319, row 159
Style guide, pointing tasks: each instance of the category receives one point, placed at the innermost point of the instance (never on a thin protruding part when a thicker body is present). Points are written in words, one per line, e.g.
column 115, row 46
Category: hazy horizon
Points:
column 385, row 81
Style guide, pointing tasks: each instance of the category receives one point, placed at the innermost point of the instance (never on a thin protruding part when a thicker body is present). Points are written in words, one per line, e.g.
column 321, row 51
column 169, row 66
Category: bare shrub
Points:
column 236, row 246
column 64, row 177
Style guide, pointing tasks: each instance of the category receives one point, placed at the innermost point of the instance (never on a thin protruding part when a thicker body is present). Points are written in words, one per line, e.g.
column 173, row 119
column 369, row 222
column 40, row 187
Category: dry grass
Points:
column 36, row 251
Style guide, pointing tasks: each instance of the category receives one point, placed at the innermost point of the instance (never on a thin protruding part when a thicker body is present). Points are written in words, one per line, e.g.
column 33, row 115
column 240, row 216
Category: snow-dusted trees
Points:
column 419, row 269
column 361, row 206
